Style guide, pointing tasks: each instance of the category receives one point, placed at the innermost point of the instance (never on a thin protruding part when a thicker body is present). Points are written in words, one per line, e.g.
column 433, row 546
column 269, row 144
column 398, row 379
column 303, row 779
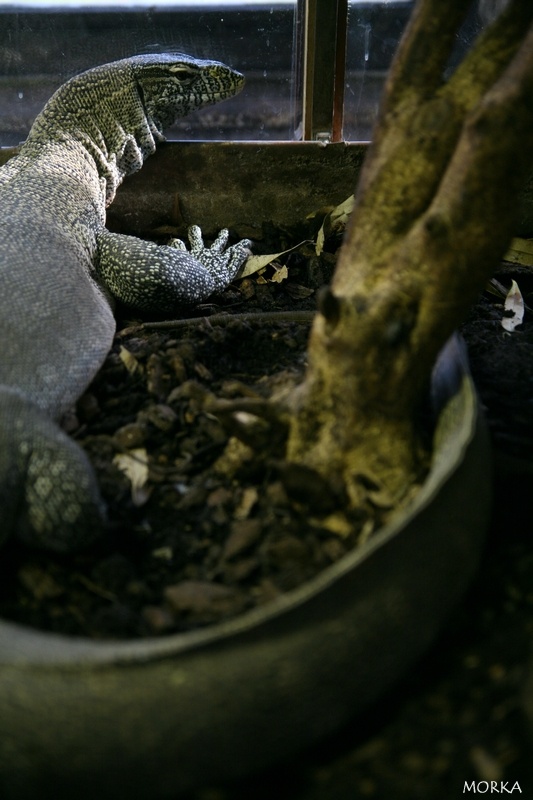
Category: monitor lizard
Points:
column 60, row 269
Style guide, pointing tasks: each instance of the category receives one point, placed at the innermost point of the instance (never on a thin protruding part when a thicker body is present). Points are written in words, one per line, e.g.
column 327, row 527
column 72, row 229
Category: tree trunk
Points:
column 433, row 215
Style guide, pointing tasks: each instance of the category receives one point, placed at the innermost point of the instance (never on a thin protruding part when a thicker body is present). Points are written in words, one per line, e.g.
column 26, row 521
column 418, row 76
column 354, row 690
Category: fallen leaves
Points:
column 257, row 263
column 334, row 222
column 514, row 306
column 135, row 466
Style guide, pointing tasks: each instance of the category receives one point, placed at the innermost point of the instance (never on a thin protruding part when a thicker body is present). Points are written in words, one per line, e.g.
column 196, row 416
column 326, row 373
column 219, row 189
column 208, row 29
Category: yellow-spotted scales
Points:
column 59, row 267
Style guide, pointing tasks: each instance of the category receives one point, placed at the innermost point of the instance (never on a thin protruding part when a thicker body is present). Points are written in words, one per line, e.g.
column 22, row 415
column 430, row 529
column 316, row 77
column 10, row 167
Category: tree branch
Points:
column 416, row 138
column 433, row 214
column 493, row 51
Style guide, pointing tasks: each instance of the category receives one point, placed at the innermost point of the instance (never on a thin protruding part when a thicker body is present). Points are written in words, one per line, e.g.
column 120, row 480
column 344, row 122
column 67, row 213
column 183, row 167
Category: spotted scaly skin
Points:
column 60, row 267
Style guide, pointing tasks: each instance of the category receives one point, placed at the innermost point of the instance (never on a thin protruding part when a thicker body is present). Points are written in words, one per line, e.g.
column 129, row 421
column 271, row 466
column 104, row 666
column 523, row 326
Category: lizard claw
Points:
column 178, row 244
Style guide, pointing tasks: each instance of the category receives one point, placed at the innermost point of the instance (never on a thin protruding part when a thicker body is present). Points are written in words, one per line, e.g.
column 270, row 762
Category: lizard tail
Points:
column 49, row 496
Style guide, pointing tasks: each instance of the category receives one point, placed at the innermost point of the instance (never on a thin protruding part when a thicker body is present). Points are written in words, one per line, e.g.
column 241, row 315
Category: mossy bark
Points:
column 434, row 212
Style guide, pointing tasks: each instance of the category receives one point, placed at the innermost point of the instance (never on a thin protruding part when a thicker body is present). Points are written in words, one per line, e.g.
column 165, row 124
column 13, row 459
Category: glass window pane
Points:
column 374, row 31
column 44, row 43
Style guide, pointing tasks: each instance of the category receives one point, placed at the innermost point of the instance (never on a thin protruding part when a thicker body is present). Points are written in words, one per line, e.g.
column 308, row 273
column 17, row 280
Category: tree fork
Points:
column 432, row 217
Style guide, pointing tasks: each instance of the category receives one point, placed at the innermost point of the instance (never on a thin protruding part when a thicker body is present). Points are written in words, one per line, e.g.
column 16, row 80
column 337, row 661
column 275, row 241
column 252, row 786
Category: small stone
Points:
column 190, row 390
column 203, row 600
column 157, row 618
column 195, row 496
column 131, row 435
column 284, row 551
column 202, row 372
column 247, row 288
column 220, row 516
column 246, row 502
column 333, row 549
column 177, row 365
column 160, row 416
column 158, row 380
column 337, row 523
column 240, row 570
column 244, row 534
column 236, row 388
column 163, row 553
column 276, row 494
column 138, row 346
column 236, row 456
column 186, row 351
column 219, row 497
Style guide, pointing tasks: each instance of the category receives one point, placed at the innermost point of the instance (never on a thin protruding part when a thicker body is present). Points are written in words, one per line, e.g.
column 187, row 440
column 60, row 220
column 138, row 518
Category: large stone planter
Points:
column 151, row 719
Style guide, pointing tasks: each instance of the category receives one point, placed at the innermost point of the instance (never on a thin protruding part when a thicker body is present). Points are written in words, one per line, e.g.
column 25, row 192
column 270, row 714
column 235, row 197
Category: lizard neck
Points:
column 105, row 116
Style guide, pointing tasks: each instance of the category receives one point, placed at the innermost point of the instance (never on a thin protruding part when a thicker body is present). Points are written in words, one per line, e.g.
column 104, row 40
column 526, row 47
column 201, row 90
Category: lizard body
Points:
column 60, row 267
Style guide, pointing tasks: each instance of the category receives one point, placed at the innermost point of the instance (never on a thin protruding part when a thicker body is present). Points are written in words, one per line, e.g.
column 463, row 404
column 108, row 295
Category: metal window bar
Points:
column 322, row 27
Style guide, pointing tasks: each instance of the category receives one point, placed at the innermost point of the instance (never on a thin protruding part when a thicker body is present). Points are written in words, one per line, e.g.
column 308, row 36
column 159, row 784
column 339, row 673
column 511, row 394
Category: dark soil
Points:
column 238, row 542
column 204, row 536
column 209, row 528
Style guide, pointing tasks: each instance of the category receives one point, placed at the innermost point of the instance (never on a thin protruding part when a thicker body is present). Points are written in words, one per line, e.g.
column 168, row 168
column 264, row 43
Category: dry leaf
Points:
column 255, row 263
column 129, row 360
column 514, row 302
column 280, row 274
column 135, row 466
column 520, row 252
column 337, row 523
column 248, row 500
column 334, row 221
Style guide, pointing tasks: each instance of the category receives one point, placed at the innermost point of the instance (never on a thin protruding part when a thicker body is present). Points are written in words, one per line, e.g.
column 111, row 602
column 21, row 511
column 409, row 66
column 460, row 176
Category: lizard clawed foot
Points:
column 222, row 262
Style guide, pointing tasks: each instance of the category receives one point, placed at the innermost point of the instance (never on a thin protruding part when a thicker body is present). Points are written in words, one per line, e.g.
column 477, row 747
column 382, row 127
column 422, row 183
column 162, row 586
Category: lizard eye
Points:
column 183, row 73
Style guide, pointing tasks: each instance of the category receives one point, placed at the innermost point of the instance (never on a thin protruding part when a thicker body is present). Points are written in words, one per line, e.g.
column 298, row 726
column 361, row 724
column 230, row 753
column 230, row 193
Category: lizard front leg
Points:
column 157, row 278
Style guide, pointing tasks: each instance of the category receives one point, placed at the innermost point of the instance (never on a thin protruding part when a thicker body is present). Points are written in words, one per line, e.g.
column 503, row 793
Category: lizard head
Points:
column 173, row 85
column 117, row 112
